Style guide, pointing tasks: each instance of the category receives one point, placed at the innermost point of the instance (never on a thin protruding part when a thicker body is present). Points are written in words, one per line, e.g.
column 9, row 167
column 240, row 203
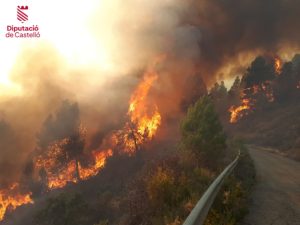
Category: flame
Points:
column 100, row 159
column 146, row 116
column 56, row 169
column 277, row 65
column 138, row 110
column 145, row 120
column 268, row 91
column 10, row 199
column 237, row 112
column 298, row 85
column 248, row 100
column 128, row 137
column 65, row 175
column 59, row 173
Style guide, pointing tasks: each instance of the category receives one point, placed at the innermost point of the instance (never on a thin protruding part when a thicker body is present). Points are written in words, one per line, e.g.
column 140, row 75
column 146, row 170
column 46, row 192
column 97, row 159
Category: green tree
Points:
column 203, row 135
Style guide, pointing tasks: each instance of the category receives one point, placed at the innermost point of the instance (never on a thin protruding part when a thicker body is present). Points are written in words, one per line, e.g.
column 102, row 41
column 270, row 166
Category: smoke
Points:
column 203, row 41
column 65, row 124
column 9, row 154
column 234, row 32
column 260, row 71
column 216, row 39
column 39, row 113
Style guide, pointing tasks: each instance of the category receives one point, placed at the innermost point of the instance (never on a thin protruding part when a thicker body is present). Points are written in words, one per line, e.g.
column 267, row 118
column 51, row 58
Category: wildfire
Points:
column 277, row 65
column 237, row 112
column 10, row 199
column 52, row 168
column 66, row 175
column 249, row 98
column 57, row 164
column 268, row 91
column 100, row 159
column 57, row 173
column 142, row 113
column 56, row 167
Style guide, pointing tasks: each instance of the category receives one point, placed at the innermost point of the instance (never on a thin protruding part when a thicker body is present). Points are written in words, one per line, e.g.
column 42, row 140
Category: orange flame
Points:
column 58, row 174
column 144, row 122
column 248, row 99
column 65, row 175
column 143, row 114
column 237, row 112
column 266, row 88
column 145, row 118
column 277, row 65
column 56, row 169
column 138, row 110
column 100, row 159
column 10, row 199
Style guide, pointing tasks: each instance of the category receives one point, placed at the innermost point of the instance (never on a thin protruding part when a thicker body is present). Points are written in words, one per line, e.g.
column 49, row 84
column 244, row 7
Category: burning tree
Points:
column 255, row 88
column 74, row 149
column 143, row 115
column 62, row 142
column 59, row 157
column 286, row 86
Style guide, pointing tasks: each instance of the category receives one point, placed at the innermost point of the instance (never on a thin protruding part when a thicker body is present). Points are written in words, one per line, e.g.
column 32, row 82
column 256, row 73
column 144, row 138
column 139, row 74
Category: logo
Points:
column 21, row 15
column 22, row 31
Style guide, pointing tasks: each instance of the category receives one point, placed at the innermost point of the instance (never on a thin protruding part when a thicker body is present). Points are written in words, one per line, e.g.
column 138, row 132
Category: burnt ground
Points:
column 276, row 196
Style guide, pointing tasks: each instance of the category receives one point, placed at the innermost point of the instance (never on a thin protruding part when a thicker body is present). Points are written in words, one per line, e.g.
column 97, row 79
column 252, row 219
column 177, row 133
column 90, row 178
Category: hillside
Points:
column 262, row 107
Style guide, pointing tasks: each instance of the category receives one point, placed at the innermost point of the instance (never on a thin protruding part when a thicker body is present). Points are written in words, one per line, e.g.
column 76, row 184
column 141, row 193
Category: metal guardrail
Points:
column 200, row 211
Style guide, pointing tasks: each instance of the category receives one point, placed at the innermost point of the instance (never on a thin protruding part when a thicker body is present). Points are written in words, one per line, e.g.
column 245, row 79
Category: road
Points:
column 276, row 196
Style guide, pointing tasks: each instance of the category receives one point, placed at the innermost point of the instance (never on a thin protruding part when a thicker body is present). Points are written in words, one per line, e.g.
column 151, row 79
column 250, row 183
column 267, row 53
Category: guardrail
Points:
column 200, row 211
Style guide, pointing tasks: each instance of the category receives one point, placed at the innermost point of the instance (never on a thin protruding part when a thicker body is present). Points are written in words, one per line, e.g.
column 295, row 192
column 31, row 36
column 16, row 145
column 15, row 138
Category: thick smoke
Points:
column 64, row 124
column 216, row 37
column 40, row 113
column 203, row 41
column 232, row 30
column 9, row 154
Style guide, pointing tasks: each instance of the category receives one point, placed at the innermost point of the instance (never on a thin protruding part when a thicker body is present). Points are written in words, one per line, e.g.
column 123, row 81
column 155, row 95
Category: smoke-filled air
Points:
column 109, row 77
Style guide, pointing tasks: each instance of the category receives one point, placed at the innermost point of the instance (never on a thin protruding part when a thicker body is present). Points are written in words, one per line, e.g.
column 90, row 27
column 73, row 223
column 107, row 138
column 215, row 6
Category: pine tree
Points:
column 203, row 135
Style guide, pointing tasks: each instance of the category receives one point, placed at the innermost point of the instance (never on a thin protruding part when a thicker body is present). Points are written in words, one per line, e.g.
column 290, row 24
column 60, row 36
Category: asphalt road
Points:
column 276, row 196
